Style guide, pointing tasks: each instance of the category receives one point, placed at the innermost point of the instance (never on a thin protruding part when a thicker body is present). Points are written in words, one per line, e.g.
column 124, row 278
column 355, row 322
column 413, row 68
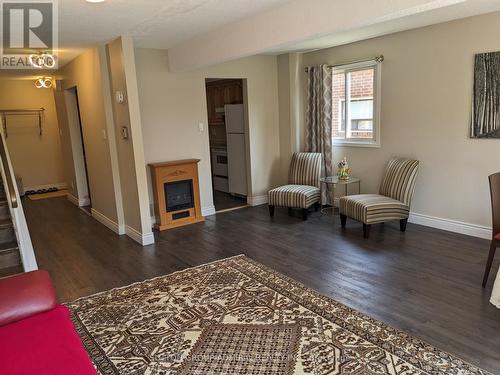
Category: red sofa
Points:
column 36, row 334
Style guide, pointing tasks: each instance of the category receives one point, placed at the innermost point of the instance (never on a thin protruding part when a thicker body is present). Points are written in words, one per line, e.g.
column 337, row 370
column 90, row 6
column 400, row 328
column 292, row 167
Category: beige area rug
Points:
column 236, row 316
column 53, row 194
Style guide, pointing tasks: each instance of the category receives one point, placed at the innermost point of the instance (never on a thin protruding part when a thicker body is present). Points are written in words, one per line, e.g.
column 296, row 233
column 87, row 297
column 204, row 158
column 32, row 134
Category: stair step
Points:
column 10, row 258
column 10, row 271
column 5, row 223
column 8, row 246
column 7, row 233
column 4, row 210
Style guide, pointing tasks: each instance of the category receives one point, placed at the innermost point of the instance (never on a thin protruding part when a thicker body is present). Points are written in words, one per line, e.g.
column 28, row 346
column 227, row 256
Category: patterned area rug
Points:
column 236, row 316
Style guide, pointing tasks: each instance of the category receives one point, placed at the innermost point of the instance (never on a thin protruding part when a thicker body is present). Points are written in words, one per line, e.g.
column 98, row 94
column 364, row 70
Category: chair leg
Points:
column 491, row 255
column 271, row 211
column 304, row 213
column 366, row 230
column 402, row 224
column 343, row 220
column 316, row 206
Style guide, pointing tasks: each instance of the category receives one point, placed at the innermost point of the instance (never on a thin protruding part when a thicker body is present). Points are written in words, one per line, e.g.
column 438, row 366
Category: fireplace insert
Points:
column 179, row 195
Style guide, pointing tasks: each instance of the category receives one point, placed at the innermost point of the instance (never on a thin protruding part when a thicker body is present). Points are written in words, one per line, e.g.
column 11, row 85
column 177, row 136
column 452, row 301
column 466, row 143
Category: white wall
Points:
column 37, row 159
column 173, row 105
column 427, row 80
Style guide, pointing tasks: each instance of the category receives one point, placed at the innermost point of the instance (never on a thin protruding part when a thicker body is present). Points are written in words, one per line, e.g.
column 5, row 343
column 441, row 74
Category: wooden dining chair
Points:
column 495, row 208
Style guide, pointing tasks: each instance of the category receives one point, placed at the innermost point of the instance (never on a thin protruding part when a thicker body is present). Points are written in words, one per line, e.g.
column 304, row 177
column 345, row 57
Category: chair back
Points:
column 305, row 169
column 495, row 201
column 399, row 180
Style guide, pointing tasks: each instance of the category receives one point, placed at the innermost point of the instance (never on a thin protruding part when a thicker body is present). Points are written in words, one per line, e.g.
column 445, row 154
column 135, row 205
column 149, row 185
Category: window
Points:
column 357, row 122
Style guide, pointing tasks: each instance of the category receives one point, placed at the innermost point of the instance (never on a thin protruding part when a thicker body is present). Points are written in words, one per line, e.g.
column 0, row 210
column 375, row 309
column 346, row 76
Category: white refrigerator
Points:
column 236, row 150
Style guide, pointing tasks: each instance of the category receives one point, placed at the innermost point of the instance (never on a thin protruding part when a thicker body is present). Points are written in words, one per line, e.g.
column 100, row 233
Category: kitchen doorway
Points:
column 228, row 137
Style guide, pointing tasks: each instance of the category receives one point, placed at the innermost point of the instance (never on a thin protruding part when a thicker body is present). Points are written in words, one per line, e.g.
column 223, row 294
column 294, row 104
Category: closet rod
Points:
column 28, row 111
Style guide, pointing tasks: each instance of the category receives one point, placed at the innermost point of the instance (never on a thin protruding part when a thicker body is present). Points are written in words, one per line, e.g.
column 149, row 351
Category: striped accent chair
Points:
column 303, row 189
column 392, row 202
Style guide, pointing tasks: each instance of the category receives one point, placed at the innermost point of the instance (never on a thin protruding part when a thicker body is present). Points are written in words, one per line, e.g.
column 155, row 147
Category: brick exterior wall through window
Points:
column 361, row 87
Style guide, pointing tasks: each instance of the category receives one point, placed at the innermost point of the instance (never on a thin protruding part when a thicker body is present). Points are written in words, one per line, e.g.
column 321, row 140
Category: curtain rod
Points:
column 378, row 59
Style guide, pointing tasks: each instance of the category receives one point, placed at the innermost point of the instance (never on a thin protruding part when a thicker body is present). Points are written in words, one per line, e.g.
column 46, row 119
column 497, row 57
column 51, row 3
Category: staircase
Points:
column 16, row 250
column 10, row 259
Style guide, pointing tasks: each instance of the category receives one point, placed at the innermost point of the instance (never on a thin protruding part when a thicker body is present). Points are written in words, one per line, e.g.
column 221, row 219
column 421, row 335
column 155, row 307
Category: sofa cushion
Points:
column 295, row 196
column 373, row 208
column 43, row 344
column 24, row 295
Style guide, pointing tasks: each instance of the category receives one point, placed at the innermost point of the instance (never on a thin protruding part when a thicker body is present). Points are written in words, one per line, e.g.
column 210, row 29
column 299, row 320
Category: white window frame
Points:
column 377, row 82
column 362, row 98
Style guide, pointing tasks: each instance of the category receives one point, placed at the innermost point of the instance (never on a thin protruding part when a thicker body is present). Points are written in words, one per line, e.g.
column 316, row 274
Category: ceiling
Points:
column 152, row 23
column 176, row 23
column 451, row 11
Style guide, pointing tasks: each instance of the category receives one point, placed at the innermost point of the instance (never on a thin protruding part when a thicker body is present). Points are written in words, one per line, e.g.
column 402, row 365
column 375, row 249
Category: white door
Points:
column 234, row 118
column 237, row 164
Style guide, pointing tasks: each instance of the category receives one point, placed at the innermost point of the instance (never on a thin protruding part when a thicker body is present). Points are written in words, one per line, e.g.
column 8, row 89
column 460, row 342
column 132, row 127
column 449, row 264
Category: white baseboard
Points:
column 103, row 219
column 208, row 211
column 143, row 239
column 451, row 225
column 257, row 200
column 73, row 199
column 78, row 202
column 58, row 185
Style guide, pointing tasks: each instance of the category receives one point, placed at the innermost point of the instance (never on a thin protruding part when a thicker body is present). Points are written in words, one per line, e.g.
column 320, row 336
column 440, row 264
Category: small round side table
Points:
column 333, row 181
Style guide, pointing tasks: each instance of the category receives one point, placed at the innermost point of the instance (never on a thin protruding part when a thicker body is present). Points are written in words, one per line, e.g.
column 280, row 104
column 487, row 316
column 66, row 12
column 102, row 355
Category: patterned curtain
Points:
column 319, row 117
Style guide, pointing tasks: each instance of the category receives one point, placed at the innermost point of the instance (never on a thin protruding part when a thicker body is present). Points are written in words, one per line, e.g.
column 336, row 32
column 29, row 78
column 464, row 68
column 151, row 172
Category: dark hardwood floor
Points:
column 225, row 201
column 426, row 281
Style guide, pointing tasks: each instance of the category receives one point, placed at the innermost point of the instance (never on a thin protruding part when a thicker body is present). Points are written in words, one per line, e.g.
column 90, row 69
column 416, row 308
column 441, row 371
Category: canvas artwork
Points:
column 485, row 121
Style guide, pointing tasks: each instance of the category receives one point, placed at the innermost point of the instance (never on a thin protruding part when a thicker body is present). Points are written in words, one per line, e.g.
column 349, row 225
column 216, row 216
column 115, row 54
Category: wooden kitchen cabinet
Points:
column 220, row 93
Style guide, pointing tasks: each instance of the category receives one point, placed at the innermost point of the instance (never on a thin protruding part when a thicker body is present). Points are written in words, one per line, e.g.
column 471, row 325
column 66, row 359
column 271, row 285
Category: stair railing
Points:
column 25, row 246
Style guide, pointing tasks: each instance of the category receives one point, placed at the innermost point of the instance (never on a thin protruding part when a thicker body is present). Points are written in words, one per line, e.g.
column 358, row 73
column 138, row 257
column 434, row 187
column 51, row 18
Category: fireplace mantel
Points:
column 176, row 193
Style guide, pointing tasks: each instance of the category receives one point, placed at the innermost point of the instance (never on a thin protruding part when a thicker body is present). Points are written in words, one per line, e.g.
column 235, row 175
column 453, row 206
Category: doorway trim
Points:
column 77, row 148
column 244, row 87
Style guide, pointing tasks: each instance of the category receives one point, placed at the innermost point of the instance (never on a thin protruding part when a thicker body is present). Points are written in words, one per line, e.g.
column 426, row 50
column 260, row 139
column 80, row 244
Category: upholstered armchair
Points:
column 392, row 202
column 303, row 189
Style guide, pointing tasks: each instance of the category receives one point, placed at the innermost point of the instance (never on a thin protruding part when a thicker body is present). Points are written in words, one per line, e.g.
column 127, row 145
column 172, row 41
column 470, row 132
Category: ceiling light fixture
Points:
column 43, row 61
column 43, row 83
column 94, row 1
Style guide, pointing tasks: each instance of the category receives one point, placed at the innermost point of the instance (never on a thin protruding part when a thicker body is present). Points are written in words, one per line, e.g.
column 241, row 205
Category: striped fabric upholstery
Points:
column 304, row 185
column 399, row 180
column 305, row 169
column 393, row 202
column 296, row 196
column 373, row 208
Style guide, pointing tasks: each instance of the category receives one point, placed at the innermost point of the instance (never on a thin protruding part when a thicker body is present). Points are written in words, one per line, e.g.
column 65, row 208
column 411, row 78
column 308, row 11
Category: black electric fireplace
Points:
column 179, row 195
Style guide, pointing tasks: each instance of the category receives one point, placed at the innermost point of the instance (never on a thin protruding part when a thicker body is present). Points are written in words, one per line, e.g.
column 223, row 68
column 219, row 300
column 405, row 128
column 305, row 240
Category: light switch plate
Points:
column 201, row 127
column 124, row 132
column 119, row 97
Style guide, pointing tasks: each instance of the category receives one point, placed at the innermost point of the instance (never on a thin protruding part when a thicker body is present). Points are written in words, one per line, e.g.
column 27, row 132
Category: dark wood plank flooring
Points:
column 426, row 281
column 225, row 201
